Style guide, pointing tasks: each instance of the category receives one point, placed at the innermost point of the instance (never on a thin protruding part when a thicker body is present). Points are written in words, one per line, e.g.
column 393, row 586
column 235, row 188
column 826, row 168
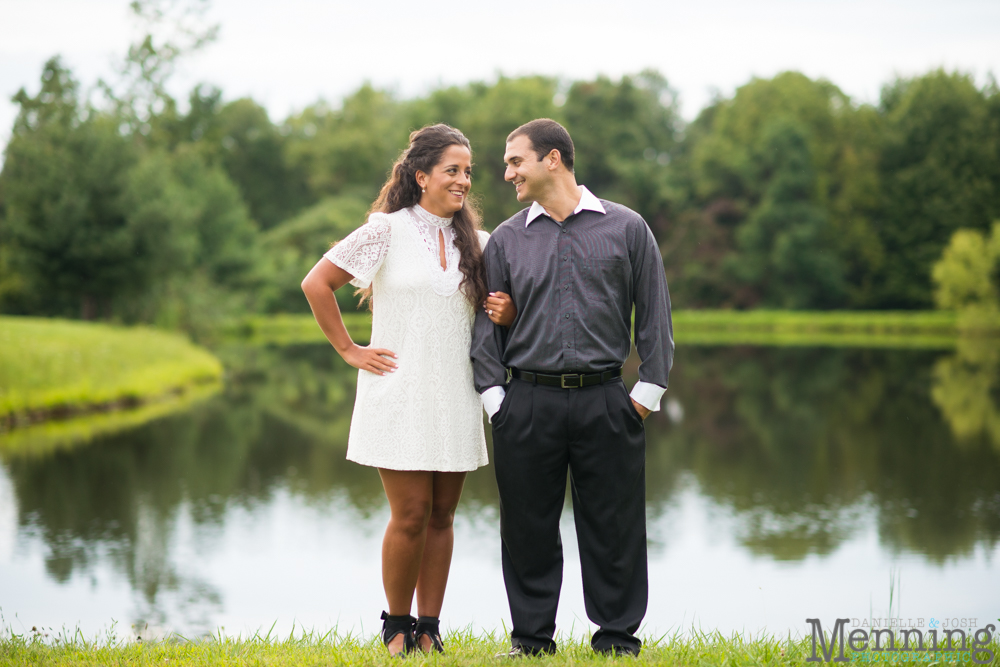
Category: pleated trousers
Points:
column 595, row 434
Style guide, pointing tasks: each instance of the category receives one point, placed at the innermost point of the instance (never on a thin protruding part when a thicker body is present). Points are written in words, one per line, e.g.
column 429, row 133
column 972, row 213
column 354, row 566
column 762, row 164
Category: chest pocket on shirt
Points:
column 603, row 279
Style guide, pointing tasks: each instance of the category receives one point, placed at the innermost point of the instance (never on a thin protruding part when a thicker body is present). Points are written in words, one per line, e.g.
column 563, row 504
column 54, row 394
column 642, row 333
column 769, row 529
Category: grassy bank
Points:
column 57, row 367
column 463, row 649
column 923, row 322
column 925, row 329
column 896, row 329
column 290, row 329
column 42, row 438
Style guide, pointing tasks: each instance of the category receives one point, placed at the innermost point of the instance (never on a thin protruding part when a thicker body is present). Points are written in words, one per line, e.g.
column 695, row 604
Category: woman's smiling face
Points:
column 448, row 184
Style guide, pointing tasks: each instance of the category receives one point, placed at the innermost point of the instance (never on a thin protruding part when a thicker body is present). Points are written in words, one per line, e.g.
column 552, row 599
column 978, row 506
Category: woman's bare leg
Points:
column 438, row 546
column 411, row 499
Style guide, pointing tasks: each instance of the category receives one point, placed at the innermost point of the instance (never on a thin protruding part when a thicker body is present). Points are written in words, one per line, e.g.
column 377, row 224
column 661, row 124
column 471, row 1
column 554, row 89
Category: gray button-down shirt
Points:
column 575, row 284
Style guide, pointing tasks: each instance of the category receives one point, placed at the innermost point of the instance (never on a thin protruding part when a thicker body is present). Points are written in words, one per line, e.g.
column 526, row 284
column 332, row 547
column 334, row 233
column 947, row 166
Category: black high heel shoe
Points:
column 399, row 625
column 429, row 626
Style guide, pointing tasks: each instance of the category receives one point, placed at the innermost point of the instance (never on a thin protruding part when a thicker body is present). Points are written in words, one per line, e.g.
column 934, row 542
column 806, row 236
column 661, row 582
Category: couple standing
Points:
column 536, row 319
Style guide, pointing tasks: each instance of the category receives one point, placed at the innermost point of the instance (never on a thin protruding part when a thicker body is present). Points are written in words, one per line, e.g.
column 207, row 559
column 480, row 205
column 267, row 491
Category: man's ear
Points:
column 553, row 159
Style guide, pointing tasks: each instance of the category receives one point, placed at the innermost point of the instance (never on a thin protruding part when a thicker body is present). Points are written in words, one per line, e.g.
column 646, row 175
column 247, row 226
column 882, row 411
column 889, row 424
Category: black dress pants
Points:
column 595, row 432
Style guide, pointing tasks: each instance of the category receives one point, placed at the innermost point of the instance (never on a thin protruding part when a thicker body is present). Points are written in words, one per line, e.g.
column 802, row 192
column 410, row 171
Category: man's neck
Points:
column 562, row 200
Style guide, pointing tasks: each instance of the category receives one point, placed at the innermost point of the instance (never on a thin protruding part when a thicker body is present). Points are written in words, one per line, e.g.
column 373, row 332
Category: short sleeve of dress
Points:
column 483, row 238
column 362, row 252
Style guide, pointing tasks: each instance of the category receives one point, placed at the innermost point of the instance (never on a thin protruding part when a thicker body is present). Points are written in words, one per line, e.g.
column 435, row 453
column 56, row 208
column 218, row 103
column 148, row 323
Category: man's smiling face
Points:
column 524, row 169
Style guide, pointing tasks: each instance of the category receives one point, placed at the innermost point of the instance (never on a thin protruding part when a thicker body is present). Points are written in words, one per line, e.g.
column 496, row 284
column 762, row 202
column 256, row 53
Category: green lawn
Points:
column 925, row 329
column 288, row 329
column 54, row 366
column 462, row 649
column 832, row 321
column 896, row 329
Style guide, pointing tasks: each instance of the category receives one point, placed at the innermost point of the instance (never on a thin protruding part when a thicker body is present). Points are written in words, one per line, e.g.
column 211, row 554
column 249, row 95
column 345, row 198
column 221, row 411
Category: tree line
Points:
column 787, row 194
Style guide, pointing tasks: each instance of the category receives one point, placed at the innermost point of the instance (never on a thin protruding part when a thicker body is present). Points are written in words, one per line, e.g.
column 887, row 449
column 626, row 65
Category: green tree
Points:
column 626, row 134
column 786, row 256
column 171, row 29
column 253, row 155
column 347, row 150
column 65, row 234
column 95, row 225
column 940, row 171
column 966, row 275
column 198, row 241
column 725, row 166
column 295, row 246
column 240, row 137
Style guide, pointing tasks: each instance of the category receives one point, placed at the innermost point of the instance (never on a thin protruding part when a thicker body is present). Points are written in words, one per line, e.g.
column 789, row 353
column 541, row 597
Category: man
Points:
column 551, row 383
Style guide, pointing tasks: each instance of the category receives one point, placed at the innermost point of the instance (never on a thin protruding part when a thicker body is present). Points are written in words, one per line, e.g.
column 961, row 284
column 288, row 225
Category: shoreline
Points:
column 187, row 366
column 846, row 328
column 69, row 411
column 54, row 370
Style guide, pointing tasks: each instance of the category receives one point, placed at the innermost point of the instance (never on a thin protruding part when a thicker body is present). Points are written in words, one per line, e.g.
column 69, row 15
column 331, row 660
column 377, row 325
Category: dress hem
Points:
column 409, row 469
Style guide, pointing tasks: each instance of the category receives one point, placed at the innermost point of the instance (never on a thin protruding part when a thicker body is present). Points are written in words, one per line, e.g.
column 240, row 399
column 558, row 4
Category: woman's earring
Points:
column 422, row 190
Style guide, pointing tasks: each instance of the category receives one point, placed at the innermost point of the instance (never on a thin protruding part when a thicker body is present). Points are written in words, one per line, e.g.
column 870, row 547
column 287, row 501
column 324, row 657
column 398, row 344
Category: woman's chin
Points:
column 445, row 209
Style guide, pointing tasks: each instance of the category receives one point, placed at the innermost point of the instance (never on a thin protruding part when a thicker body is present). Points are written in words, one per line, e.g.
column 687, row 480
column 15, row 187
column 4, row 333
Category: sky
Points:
column 287, row 54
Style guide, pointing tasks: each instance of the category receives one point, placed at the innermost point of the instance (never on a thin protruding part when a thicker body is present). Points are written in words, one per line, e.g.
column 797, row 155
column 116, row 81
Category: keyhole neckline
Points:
column 442, row 255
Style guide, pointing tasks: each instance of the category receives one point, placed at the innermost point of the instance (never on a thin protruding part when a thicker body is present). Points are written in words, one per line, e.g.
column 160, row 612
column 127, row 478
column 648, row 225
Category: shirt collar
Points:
column 588, row 202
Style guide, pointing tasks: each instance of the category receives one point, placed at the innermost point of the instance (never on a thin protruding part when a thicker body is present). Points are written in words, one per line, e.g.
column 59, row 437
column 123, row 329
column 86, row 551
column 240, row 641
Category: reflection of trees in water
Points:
column 802, row 444
column 116, row 503
column 799, row 442
column 967, row 389
column 306, row 393
column 281, row 423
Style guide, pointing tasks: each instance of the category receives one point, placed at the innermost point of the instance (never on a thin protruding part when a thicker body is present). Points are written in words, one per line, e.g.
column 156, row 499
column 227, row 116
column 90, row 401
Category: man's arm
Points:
column 489, row 339
column 654, row 333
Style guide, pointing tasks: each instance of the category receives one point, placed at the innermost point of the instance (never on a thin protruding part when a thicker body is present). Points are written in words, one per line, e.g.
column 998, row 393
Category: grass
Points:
column 286, row 329
column 40, row 439
column 58, row 367
column 802, row 321
column 463, row 648
column 918, row 329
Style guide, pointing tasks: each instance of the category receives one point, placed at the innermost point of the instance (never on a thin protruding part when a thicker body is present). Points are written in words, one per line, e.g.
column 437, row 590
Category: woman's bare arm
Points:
column 319, row 285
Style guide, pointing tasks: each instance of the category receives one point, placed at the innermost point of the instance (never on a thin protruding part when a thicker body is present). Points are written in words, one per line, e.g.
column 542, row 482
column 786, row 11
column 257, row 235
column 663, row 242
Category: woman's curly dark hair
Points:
column 427, row 145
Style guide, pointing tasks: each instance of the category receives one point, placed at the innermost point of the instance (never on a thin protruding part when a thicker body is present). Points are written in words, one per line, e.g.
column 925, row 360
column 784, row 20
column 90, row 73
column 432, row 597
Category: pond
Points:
column 784, row 483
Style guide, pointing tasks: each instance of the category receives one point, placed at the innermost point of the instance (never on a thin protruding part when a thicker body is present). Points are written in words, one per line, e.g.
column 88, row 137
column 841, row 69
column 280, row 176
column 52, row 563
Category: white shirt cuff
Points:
column 645, row 394
column 492, row 398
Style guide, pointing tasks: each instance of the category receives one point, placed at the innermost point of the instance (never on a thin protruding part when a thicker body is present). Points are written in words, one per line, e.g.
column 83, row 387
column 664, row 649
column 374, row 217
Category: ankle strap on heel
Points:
column 431, row 627
column 398, row 625
column 389, row 619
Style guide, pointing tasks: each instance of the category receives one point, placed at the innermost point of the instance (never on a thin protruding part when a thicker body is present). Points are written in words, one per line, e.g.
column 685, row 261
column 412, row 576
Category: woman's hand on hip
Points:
column 500, row 308
column 371, row 359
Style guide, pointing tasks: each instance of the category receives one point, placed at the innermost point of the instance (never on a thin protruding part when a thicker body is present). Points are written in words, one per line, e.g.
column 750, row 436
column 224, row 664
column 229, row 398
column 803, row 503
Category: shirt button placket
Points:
column 568, row 306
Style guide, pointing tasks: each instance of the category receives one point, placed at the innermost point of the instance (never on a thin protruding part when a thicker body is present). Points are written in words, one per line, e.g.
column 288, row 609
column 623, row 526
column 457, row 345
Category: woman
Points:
column 417, row 417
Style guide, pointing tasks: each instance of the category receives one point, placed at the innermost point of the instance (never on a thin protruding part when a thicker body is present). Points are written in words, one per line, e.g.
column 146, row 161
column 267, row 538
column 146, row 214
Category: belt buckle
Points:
column 575, row 376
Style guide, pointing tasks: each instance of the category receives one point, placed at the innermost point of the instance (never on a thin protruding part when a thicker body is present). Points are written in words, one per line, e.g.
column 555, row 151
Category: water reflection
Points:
column 967, row 389
column 801, row 445
column 797, row 440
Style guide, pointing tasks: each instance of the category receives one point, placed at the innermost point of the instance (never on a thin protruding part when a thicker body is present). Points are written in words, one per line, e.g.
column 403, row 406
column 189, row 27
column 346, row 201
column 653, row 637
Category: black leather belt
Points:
column 566, row 380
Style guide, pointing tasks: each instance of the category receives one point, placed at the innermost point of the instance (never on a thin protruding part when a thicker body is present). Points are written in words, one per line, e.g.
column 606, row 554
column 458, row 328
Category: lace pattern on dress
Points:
column 362, row 252
column 427, row 415
column 444, row 282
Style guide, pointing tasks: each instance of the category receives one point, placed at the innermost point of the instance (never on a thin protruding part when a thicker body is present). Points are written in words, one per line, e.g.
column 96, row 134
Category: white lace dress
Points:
column 426, row 415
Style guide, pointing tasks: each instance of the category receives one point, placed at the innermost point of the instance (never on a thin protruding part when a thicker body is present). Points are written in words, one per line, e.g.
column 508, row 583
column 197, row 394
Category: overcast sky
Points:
column 289, row 53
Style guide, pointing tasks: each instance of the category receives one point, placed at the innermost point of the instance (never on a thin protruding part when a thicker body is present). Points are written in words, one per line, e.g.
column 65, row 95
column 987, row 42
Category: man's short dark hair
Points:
column 546, row 134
